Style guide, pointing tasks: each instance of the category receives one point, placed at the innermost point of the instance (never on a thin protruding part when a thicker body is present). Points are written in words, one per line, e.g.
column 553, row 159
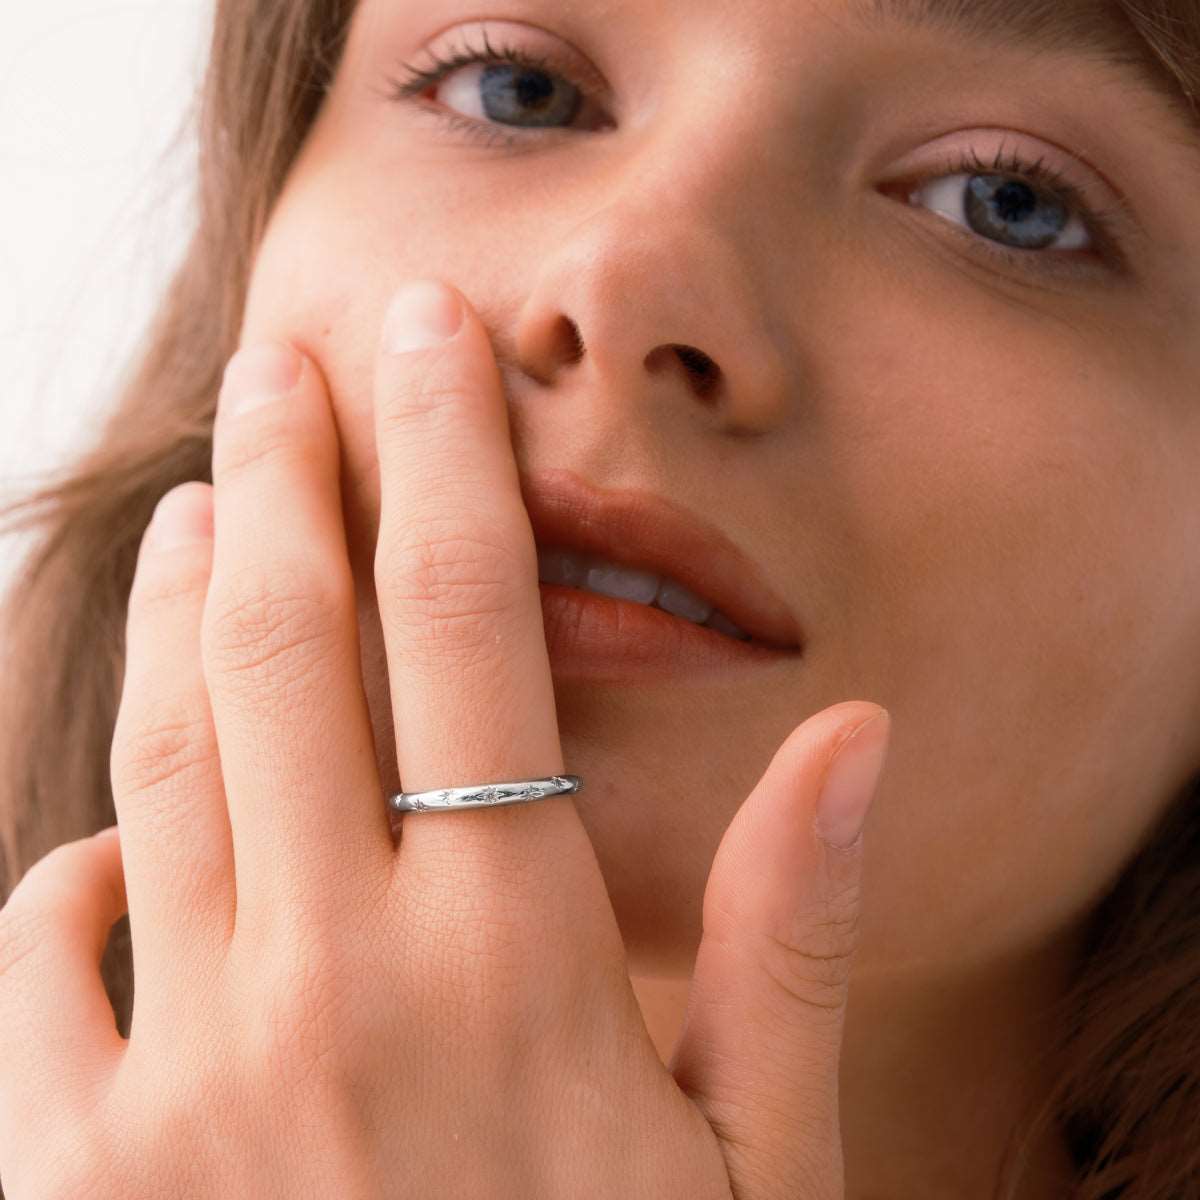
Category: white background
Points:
column 93, row 211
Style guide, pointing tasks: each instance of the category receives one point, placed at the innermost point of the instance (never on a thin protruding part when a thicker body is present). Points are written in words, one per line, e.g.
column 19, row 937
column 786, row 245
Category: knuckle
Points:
column 464, row 578
column 276, row 444
column 275, row 622
column 155, row 589
column 809, row 958
column 27, row 928
column 814, row 980
column 423, row 399
column 804, row 956
column 159, row 752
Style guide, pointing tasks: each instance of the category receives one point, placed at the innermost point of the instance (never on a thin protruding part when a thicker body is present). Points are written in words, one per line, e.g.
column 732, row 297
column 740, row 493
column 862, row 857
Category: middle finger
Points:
column 469, row 673
column 281, row 653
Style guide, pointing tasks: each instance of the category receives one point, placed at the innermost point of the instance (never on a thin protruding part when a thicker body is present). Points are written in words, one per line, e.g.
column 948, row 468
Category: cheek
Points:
column 1016, row 495
column 337, row 246
column 307, row 288
column 1021, row 540
column 322, row 278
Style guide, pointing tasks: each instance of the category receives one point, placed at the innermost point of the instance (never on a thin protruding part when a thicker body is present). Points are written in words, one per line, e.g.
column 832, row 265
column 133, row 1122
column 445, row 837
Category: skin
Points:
column 973, row 479
column 322, row 1012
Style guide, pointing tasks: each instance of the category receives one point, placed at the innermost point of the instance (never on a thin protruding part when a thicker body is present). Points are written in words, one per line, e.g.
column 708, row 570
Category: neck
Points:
column 937, row 1067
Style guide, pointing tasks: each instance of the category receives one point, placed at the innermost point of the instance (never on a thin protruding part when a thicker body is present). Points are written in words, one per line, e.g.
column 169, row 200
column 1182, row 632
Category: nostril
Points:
column 572, row 340
column 706, row 374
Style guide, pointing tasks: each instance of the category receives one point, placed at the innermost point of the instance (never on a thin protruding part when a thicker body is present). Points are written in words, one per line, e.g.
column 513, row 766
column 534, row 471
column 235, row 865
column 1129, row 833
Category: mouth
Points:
column 633, row 584
column 594, row 573
column 593, row 636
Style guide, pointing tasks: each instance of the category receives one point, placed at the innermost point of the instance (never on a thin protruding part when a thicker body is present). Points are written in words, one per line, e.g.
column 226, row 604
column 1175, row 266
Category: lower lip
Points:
column 590, row 636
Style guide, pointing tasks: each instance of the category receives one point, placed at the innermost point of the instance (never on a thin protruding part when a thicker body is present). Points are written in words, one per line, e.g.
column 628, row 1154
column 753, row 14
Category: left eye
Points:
column 1010, row 211
column 511, row 94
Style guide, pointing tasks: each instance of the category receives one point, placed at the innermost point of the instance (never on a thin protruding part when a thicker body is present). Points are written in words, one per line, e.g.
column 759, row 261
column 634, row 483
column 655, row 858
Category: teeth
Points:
column 628, row 583
column 624, row 583
column 675, row 598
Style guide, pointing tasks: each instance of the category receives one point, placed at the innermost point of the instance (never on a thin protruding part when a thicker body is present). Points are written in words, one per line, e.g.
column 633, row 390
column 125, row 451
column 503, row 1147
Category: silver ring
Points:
column 486, row 795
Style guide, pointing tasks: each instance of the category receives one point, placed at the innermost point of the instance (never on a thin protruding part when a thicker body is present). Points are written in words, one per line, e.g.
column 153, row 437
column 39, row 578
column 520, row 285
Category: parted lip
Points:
column 641, row 529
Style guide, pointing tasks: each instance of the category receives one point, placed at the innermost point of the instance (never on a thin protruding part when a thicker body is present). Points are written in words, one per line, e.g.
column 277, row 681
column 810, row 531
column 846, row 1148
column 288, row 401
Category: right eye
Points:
column 511, row 94
column 505, row 86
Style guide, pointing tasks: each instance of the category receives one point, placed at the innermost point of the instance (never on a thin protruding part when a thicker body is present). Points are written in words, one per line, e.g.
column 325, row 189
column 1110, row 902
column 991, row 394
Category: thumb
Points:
column 761, row 1040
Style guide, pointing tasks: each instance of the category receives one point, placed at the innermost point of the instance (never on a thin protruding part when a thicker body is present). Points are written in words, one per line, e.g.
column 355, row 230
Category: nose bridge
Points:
column 682, row 201
column 668, row 258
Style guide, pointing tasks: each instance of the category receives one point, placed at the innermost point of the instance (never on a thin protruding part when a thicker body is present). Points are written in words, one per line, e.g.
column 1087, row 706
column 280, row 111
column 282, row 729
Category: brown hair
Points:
column 1128, row 1094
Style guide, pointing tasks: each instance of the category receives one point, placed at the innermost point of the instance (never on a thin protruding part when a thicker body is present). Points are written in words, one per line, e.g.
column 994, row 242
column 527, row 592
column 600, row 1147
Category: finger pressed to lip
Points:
column 456, row 580
column 456, row 568
column 280, row 645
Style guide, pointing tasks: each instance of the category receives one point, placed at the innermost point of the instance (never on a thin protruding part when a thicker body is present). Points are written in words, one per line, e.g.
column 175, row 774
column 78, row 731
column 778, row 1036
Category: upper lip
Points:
column 641, row 529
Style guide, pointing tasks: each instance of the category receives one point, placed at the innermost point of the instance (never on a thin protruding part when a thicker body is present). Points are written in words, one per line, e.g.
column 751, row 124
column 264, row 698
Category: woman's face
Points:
column 972, row 477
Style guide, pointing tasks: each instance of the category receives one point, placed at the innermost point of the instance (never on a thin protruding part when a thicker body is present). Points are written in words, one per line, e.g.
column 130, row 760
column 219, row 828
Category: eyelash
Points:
column 1100, row 224
column 418, row 79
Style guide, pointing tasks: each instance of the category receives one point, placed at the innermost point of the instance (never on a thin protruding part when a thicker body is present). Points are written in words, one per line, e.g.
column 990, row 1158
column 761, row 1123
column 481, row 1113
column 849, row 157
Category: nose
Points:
column 656, row 295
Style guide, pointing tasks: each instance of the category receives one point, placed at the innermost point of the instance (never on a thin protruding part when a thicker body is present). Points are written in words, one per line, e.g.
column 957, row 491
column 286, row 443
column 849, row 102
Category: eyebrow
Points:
column 1093, row 29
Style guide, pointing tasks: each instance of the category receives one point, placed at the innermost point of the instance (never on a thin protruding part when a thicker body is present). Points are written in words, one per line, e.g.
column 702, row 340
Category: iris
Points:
column 993, row 201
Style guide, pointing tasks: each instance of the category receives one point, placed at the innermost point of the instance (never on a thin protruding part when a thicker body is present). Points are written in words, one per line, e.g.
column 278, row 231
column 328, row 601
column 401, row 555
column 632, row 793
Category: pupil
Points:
column 1015, row 201
column 533, row 87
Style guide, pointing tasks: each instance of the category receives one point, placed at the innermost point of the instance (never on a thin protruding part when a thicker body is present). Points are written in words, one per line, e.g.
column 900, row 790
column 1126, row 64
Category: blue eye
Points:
column 479, row 90
column 1011, row 211
column 510, row 94
column 1021, row 210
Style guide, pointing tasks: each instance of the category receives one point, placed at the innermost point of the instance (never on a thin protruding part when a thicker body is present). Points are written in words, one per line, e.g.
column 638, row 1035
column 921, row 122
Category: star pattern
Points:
column 491, row 794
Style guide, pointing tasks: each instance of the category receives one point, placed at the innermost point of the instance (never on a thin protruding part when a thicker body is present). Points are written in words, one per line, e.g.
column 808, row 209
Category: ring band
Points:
column 486, row 795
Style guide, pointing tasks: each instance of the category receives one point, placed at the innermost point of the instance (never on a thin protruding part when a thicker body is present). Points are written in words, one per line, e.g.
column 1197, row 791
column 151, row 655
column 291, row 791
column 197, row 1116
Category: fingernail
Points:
column 850, row 782
column 183, row 515
column 259, row 374
column 422, row 313
column 111, row 831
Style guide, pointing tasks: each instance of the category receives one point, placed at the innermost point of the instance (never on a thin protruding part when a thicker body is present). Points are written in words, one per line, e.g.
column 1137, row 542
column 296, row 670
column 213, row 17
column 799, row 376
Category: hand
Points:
column 320, row 1013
